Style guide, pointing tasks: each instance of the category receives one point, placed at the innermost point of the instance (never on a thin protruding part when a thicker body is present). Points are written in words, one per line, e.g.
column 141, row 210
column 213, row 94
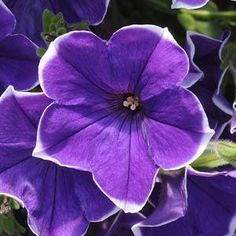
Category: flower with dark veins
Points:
column 119, row 111
column 59, row 201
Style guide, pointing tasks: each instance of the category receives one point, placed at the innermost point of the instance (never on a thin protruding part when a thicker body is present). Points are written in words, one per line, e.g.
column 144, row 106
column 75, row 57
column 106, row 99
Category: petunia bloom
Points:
column 206, row 205
column 18, row 61
column 29, row 13
column 59, row 201
column 119, row 111
column 205, row 77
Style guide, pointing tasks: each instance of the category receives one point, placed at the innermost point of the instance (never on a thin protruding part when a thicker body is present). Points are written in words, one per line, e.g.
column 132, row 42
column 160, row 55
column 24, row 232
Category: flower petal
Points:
column 146, row 59
column 30, row 23
column 130, row 49
column 58, row 200
column 86, row 10
column 134, row 60
column 110, row 145
column 233, row 121
column 171, row 204
column 204, row 61
column 7, row 21
column 189, row 4
column 74, row 68
column 216, row 117
column 212, row 198
column 18, row 63
column 176, row 127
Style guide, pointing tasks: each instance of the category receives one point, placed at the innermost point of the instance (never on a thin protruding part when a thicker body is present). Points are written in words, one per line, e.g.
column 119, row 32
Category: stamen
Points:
column 132, row 102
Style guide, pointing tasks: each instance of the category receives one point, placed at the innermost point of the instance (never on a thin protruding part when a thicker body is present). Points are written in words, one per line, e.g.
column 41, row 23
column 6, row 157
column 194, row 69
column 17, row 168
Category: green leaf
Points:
column 210, row 28
column 217, row 154
column 47, row 19
column 227, row 151
column 9, row 226
column 209, row 159
column 14, row 204
column 187, row 21
column 61, row 31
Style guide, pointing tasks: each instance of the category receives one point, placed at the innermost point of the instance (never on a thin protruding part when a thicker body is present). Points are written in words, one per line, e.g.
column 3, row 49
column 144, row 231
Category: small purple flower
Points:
column 59, row 201
column 29, row 13
column 205, row 205
column 18, row 59
column 119, row 111
column 189, row 4
column 205, row 77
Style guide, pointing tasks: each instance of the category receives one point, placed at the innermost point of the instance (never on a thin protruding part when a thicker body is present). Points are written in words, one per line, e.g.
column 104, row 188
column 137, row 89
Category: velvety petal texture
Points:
column 30, row 23
column 90, row 127
column 211, row 196
column 7, row 21
column 58, row 200
column 18, row 59
column 205, row 77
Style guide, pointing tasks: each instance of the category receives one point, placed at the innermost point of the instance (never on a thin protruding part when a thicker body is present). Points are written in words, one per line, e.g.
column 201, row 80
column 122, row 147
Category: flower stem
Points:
column 203, row 14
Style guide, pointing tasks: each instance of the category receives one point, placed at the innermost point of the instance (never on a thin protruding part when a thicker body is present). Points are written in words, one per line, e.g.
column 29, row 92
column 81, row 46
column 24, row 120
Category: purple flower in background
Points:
column 119, row 111
column 29, row 13
column 205, row 76
column 189, row 4
column 18, row 59
column 59, row 201
column 206, row 206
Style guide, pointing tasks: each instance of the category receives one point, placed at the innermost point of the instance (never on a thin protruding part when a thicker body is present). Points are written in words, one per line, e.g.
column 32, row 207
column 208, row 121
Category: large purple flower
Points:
column 119, row 111
column 18, row 59
column 205, row 205
column 29, row 13
column 59, row 201
column 205, row 77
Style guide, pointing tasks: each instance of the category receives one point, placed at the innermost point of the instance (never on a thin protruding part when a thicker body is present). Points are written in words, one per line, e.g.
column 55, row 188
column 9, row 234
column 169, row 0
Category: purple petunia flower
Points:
column 59, row 201
column 18, row 61
column 205, row 205
column 119, row 111
column 30, row 22
column 205, row 77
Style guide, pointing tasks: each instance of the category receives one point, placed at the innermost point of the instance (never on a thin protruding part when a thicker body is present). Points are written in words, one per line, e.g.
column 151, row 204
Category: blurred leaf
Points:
column 9, row 226
column 210, row 28
column 187, row 21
